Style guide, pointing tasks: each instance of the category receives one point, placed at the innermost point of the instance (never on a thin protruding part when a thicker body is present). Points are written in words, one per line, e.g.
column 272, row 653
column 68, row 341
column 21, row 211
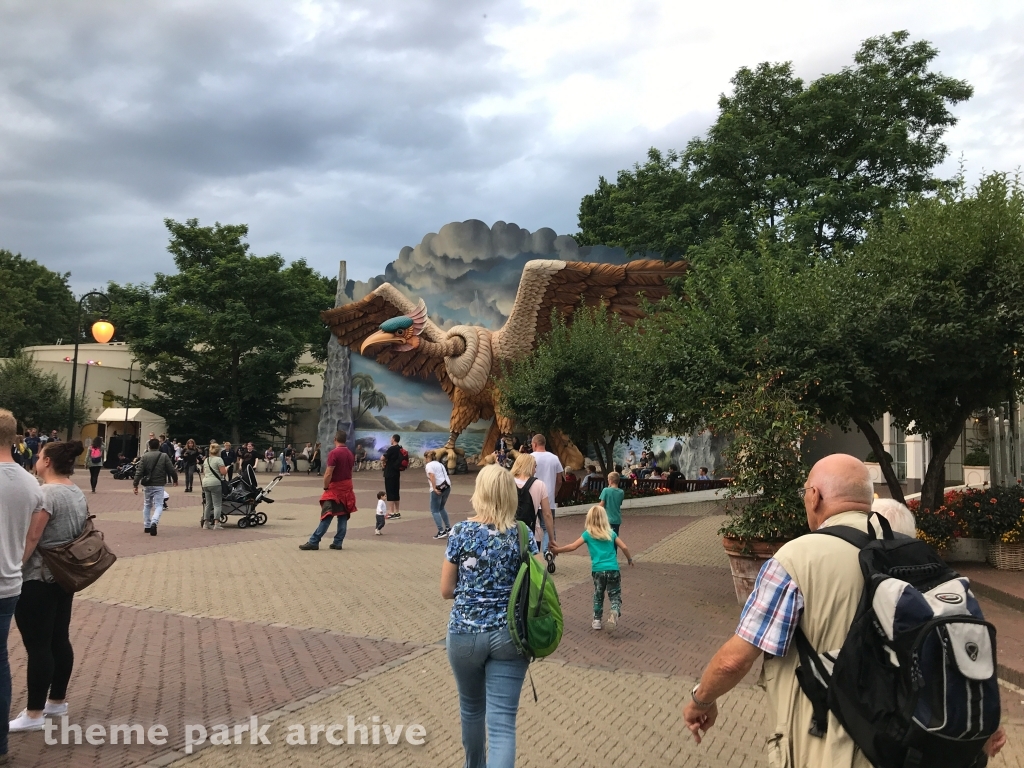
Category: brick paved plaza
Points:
column 212, row 627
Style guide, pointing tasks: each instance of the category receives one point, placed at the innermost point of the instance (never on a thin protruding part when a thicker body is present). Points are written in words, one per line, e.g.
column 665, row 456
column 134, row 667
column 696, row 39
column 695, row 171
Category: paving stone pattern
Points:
column 215, row 626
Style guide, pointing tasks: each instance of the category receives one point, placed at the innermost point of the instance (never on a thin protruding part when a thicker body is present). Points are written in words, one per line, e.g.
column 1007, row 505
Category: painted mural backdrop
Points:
column 467, row 273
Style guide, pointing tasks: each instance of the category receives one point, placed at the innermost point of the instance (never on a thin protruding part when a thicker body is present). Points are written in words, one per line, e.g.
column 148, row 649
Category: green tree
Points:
column 595, row 379
column 812, row 164
column 368, row 396
column 923, row 320
column 220, row 341
column 36, row 304
column 36, row 399
column 944, row 280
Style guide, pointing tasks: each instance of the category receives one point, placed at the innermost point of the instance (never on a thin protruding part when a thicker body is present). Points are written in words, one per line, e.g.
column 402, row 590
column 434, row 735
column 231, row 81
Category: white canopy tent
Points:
column 147, row 421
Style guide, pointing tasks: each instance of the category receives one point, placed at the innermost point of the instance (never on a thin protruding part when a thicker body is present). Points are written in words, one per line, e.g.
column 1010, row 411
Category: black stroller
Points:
column 125, row 471
column 245, row 496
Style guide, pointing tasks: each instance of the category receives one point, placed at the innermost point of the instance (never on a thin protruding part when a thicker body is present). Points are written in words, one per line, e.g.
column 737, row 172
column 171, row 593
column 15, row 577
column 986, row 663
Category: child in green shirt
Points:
column 611, row 499
column 602, row 543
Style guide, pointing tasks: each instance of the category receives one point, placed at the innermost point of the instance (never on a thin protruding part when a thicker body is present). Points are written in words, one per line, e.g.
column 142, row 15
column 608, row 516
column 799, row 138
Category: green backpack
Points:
column 534, row 613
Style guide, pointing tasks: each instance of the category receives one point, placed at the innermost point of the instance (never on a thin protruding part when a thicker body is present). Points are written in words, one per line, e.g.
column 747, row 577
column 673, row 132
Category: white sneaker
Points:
column 55, row 709
column 377, row 532
column 25, row 723
column 217, row 527
column 613, row 621
column 595, row 624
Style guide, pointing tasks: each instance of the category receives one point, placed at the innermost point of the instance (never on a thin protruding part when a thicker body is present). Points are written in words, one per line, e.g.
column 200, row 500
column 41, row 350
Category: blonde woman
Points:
column 479, row 569
column 540, row 501
column 601, row 543
column 212, row 472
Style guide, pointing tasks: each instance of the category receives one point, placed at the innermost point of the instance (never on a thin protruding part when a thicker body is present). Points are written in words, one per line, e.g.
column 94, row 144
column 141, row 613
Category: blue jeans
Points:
column 7, row 606
column 437, row 508
column 544, row 539
column 152, row 505
column 321, row 529
column 489, row 673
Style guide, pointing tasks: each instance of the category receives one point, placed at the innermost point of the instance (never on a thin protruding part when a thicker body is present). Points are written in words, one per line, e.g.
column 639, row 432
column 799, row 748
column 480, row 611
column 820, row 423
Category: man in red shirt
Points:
column 339, row 499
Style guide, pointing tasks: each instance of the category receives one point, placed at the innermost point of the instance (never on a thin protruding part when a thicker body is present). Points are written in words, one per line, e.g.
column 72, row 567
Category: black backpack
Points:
column 525, row 511
column 915, row 681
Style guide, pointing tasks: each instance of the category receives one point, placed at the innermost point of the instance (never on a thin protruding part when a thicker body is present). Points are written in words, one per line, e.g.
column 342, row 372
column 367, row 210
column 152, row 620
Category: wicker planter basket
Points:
column 746, row 556
column 1006, row 557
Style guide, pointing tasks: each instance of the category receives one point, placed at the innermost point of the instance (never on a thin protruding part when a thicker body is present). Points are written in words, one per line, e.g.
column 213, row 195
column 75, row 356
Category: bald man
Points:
column 814, row 582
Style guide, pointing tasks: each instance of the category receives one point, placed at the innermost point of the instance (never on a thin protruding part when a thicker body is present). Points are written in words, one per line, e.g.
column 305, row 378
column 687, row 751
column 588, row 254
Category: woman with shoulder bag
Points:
column 43, row 613
column 440, row 488
column 212, row 475
column 479, row 570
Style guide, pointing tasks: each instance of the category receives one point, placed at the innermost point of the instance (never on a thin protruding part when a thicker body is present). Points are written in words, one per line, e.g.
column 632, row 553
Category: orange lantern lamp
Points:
column 102, row 331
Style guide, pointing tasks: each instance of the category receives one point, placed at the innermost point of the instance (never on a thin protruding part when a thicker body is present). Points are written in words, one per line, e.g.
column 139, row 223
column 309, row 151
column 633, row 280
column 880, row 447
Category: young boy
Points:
column 611, row 500
column 382, row 512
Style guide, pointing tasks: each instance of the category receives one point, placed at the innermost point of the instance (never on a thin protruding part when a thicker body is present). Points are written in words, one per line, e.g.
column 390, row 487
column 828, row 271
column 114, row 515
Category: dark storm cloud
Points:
column 156, row 106
column 346, row 130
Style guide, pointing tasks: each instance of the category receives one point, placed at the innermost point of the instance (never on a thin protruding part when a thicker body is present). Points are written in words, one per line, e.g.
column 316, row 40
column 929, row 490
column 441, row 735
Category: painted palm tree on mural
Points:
column 368, row 397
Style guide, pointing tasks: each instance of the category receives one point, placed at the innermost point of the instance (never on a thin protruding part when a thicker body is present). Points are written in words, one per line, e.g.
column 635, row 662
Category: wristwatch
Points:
column 697, row 702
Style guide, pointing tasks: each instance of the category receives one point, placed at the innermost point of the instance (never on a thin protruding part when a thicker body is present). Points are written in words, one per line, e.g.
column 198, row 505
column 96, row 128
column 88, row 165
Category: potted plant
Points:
column 874, row 468
column 977, row 470
column 768, row 427
column 1006, row 516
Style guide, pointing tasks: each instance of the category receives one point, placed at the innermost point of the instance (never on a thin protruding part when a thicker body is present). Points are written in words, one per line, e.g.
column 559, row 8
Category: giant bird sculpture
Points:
column 466, row 360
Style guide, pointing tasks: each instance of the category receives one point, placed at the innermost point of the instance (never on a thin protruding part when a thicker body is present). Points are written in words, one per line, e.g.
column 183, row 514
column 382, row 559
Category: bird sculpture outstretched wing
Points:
column 563, row 286
column 354, row 323
column 546, row 285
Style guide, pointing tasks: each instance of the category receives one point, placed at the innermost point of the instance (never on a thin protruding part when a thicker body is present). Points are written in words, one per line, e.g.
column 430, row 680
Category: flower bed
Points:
column 993, row 514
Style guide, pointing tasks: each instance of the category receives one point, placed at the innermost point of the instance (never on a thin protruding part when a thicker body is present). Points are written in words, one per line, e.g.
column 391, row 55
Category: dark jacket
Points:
column 393, row 461
column 156, row 468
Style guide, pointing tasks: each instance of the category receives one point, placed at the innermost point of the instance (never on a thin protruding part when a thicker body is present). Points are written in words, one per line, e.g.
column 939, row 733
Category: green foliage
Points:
column 768, row 427
column 36, row 305
column 811, row 164
column 976, row 458
column 369, row 397
column 980, row 513
column 597, row 380
column 36, row 399
column 944, row 280
column 219, row 342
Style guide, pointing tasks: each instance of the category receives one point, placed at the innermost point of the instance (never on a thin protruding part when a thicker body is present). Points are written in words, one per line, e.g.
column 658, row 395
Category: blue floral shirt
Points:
column 488, row 562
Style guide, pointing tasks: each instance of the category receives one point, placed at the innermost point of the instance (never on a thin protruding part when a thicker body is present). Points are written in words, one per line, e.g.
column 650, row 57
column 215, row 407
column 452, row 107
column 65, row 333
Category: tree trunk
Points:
column 893, row 483
column 935, row 477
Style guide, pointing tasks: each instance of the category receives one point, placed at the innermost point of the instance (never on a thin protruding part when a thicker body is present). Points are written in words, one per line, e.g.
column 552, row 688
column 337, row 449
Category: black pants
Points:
column 94, row 475
column 43, row 616
column 380, row 521
column 392, row 486
column 190, row 472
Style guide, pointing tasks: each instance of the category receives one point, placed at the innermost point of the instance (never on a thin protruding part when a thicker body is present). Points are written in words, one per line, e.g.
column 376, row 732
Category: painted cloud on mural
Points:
column 469, row 272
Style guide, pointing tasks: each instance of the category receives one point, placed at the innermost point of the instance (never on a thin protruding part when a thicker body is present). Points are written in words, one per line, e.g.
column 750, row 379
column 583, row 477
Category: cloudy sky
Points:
column 347, row 130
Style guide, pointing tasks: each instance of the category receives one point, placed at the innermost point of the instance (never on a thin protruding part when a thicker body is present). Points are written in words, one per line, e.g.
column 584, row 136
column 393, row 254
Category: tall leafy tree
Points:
column 36, row 304
column 219, row 342
column 808, row 163
column 36, row 399
column 595, row 379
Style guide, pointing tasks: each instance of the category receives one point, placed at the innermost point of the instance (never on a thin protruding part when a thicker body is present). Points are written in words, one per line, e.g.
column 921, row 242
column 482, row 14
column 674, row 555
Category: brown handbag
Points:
column 79, row 563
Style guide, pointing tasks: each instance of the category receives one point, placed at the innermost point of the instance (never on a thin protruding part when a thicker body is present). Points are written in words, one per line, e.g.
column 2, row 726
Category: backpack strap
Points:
column 524, row 551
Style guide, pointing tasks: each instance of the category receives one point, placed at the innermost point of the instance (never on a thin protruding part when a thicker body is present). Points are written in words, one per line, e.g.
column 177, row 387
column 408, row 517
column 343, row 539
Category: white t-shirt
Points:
column 548, row 467
column 382, row 507
column 21, row 498
column 436, row 468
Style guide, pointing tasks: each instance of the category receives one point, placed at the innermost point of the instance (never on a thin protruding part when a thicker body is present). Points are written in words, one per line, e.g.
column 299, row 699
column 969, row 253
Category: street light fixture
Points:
column 102, row 331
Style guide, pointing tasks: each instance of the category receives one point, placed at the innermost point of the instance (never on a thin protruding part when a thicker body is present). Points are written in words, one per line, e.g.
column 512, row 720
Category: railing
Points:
column 573, row 492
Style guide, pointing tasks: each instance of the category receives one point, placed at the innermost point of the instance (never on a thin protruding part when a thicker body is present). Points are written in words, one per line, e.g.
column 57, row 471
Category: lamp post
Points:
column 127, row 403
column 102, row 331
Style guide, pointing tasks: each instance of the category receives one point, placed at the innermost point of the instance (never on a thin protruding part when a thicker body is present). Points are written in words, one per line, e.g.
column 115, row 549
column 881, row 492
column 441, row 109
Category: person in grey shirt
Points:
column 20, row 498
column 44, row 609
column 153, row 472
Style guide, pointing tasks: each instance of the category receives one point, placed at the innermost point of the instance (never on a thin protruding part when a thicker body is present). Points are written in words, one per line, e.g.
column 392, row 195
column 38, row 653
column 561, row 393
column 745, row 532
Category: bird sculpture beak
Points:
column 380, row 337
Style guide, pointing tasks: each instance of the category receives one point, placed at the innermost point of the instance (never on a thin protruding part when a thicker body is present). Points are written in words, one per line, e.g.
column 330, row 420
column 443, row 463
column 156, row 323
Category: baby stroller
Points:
column 125, row 471
column 245, row 496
